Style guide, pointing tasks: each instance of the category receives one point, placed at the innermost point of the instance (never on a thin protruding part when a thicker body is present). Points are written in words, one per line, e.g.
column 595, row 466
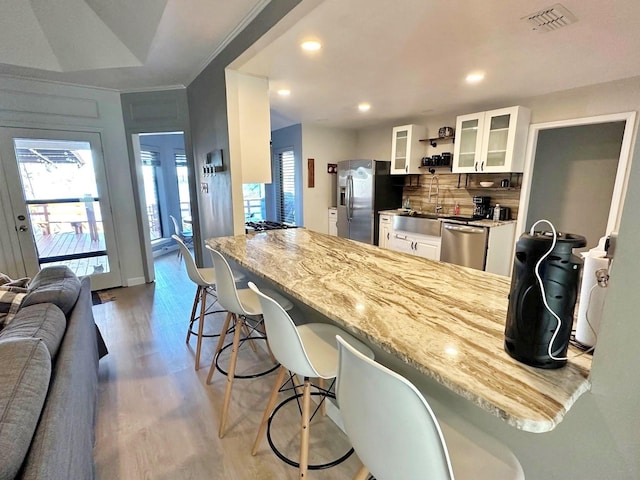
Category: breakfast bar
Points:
column 444, row 320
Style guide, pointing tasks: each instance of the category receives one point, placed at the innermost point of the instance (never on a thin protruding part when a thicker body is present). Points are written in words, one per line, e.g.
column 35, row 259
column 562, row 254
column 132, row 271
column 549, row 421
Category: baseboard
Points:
column 165, row 249
column 132, row 282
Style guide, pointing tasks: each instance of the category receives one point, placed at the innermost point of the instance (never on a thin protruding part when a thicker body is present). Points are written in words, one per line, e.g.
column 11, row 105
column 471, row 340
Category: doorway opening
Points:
column 165, row 185
column 587, row 147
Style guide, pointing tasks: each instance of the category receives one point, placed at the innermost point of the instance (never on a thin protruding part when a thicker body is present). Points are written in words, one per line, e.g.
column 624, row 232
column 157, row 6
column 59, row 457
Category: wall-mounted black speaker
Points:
column 530, row 326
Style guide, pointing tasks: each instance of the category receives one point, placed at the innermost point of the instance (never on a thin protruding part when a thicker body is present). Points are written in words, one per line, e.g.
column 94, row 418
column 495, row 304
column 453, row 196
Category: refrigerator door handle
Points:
column 350, row 197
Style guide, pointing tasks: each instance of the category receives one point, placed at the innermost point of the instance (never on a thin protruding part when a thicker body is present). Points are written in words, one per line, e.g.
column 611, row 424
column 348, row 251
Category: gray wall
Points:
column 209, row 126
column 573, row 177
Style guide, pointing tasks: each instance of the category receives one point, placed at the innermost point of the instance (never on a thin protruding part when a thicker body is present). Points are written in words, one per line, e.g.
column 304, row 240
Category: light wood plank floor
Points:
column 157, row 417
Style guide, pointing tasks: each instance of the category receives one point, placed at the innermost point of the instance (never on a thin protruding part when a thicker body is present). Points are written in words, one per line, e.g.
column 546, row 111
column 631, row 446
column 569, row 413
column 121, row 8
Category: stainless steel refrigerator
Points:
column 364, row 188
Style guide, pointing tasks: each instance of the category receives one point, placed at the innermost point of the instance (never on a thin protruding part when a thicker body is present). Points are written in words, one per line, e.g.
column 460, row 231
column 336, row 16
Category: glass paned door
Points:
column 59, row 204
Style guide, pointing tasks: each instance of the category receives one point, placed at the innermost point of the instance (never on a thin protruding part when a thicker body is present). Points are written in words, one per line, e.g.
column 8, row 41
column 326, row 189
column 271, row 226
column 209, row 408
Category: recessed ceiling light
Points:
column 311, row 45
column 283, row 92
column 475, row 77
column 364, row 107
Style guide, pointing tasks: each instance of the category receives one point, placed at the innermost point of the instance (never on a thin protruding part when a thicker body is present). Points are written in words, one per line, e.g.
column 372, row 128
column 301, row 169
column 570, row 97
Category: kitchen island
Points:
column 444, row 320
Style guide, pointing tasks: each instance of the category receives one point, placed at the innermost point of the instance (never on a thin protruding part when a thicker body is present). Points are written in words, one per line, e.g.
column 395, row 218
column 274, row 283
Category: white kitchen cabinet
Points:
column 425, row 246
column 491, row 142
column 384, row 231
column 500, row 248
column 406, row 149
column 333, row 219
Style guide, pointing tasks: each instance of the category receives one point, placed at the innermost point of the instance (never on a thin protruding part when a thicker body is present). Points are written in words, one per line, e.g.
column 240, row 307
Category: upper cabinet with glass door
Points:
column 493, row 141
column 406, row 150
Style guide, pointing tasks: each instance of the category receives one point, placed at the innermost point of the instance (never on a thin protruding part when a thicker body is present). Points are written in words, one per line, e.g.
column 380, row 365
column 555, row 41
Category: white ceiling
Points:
column 410, row 57
column 120, row 44
column 407, row 58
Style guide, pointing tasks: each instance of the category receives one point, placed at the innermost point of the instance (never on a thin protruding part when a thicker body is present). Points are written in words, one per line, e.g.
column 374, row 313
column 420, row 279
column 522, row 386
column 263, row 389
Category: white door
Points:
column 58, row 207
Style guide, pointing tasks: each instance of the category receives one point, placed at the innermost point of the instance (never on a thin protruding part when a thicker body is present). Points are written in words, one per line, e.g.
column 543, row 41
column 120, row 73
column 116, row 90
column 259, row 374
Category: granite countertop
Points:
column 445, row 320
column 483, row 222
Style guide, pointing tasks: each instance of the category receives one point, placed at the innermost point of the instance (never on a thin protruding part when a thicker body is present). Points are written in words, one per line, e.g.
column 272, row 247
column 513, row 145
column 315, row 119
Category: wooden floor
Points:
column 157, row 417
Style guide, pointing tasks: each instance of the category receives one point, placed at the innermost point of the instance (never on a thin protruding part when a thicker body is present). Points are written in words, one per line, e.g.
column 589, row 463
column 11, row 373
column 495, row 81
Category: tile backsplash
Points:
column 461, row 189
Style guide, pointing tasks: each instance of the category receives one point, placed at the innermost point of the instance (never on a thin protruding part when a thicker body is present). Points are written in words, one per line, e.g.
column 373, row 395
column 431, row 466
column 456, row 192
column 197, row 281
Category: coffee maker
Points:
column 481, row 206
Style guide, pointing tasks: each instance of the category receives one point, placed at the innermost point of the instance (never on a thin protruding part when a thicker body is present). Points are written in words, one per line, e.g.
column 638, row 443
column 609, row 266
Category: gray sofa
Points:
column 49, row 355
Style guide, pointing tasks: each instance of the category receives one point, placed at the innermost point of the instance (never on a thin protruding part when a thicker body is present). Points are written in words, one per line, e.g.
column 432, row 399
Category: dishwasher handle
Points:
column 463, row 228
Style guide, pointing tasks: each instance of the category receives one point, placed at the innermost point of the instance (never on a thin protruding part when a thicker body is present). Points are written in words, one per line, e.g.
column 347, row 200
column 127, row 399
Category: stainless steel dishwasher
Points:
column 464, row 245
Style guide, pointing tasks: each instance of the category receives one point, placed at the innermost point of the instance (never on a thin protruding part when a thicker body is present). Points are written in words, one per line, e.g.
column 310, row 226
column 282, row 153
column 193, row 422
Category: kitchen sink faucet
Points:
column 438, row 207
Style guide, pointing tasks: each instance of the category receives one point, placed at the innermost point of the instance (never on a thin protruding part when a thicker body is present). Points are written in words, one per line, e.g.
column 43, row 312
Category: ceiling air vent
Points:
column 550, row 19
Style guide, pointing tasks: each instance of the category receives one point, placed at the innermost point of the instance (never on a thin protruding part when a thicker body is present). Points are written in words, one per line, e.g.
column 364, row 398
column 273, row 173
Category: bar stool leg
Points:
column 363, row 473
column 230, row 375
column 223, row 335
column 196, row 300
column 267, row 411
column 323, row 405
column 304, row 434
column 247, row 334
column 203, row 303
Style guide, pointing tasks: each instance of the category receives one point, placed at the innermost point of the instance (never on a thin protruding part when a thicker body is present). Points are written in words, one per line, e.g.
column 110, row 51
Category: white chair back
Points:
column 192, row 269
column 377, row 404
column 284, row 339
column 226, row 284
column 178, row 230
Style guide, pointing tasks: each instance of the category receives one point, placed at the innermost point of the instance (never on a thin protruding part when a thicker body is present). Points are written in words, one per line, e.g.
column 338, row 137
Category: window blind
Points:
column 180, row 159
column 287, row 186
column 150, row 158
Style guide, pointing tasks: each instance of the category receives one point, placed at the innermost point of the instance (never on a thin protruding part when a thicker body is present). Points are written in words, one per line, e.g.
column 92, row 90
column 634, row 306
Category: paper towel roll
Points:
column 587, row 331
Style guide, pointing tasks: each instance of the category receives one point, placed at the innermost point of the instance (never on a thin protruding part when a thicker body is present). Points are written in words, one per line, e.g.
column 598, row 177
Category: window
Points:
column 150, row 164
column 254, row 202
column 285, row 188
column 182, row 172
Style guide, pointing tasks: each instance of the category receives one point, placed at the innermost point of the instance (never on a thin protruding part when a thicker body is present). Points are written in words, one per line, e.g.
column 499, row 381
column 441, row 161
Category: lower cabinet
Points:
column 384, row 232
column 424, row 246
column 333, row 218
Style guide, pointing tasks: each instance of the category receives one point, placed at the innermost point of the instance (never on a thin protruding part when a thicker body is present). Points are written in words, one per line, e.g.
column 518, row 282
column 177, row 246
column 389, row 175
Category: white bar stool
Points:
column 378, row 405
column 310, row 351
column 240, row 303
column 205, row 280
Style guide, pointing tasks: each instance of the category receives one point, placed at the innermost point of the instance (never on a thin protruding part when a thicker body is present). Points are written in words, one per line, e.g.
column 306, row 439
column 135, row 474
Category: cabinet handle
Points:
column 482, row 166
column 475, row 166
column 413, row 245
column 387, row 235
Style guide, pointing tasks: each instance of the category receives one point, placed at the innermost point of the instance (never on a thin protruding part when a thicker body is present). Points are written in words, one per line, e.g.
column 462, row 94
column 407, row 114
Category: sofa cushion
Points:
column 11, row 299
column 57, row 285
column 44, row 321
column 24, row 380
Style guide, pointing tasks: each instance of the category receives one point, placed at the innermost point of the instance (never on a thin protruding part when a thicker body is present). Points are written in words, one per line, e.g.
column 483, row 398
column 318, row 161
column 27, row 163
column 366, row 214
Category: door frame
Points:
column 111, row 279
column 135, row 163
column 622, row 174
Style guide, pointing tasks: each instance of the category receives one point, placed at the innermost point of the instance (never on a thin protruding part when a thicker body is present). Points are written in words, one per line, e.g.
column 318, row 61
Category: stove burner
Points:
column 267, row 225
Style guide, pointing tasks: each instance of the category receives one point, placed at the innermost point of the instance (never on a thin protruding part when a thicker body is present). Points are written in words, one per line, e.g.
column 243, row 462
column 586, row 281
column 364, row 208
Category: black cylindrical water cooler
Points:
column 530, row 326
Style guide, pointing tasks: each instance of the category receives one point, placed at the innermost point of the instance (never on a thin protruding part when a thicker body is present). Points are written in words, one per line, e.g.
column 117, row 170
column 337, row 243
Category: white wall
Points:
column 324, row 145
column 38, row 104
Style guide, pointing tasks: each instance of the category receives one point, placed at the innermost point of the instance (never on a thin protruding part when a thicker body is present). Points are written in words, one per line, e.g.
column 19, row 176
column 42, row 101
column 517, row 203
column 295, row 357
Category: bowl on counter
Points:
column 486, row 184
